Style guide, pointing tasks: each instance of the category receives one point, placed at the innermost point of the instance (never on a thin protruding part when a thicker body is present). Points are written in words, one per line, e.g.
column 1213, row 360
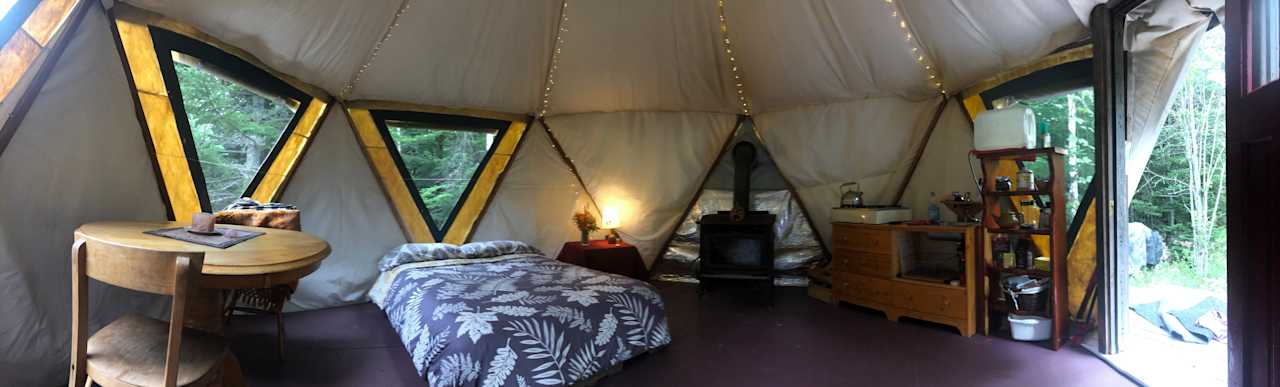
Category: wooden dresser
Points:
column 868, row 263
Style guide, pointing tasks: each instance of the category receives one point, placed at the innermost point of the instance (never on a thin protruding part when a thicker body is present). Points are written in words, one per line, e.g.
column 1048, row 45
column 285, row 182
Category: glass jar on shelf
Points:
column 1026, row 180
column 1030, row 213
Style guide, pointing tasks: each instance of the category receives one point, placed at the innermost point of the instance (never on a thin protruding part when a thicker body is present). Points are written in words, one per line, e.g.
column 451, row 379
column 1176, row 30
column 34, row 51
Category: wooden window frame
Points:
column 236, row 70
column 447, row 122
column 368, row 121
column 145, row 41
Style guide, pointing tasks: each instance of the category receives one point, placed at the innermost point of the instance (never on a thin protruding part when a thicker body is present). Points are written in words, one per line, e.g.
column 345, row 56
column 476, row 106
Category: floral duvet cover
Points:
column 518, row 319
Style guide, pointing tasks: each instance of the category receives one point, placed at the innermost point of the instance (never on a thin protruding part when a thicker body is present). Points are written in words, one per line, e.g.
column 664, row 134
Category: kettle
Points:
column 850, row 197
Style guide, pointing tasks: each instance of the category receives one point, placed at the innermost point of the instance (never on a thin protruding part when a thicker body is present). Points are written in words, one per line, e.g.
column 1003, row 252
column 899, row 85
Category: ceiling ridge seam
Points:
column 568, row 162
column 373, row 52
column 739, row 80
column 549, row 80
column 918, row 49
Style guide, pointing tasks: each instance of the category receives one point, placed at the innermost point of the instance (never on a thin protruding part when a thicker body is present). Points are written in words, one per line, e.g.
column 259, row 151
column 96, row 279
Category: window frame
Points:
column 16, row 17
column 446, row 122
column 237, row 70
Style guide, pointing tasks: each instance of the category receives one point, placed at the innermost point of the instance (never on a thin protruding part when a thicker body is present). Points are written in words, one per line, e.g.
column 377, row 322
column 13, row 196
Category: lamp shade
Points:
column 609, row 218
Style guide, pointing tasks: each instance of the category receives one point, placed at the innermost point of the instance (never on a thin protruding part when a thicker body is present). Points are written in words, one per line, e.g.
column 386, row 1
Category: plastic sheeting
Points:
column 78, row 157
column 341, row 203
column 647, row 165
column 795, row 244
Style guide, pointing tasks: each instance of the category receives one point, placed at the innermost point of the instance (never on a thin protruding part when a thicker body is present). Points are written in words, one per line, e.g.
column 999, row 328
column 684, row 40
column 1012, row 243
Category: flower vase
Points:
column 586, row 238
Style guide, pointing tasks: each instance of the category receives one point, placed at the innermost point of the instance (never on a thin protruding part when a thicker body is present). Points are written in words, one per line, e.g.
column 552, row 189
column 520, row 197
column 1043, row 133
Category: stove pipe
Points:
column 744, row 160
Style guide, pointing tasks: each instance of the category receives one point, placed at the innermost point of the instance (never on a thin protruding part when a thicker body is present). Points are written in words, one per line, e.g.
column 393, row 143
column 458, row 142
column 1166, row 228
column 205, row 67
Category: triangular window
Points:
column 232, row 116
column 440, row 157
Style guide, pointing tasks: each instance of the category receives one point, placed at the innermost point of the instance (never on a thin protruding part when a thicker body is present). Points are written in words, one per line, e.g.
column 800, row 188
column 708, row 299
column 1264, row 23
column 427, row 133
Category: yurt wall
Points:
column 342, row 203
column 944, row 167
column 534, row 201
column 78, row 157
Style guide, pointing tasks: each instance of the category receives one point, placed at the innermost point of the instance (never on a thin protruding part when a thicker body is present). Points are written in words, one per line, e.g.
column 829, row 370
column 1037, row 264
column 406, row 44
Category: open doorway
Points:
column 1174, row 329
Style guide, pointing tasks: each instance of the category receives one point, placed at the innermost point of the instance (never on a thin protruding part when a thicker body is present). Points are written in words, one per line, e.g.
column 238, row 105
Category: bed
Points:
column 502, row 314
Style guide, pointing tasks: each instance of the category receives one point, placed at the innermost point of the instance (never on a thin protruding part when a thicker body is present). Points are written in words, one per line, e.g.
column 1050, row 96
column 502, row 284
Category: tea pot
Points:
column 850, row 197
column 1009, row 219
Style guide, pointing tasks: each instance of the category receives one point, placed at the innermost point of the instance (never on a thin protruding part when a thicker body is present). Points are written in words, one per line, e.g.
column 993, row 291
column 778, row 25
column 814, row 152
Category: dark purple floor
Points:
column 718, row 341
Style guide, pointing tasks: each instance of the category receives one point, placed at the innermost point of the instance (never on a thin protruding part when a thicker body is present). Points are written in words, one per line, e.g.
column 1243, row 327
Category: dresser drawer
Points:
column 862, row 239
column 940, row 301
column 857, row 262
column 860, row 287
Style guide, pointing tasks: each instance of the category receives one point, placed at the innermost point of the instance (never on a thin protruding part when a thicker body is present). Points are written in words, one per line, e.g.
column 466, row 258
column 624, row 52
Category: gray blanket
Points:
column 519, row 319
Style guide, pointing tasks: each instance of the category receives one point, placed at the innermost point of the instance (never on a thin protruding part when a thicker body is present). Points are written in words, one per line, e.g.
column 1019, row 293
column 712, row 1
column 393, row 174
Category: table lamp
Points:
column 609, row 220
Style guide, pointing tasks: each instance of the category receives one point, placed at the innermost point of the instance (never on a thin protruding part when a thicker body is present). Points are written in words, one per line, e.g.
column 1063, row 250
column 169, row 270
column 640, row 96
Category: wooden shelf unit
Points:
column 1055, row 232
column 867, row 262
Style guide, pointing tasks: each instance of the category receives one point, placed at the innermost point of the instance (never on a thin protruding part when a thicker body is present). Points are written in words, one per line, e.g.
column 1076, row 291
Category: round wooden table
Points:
column 277, row 257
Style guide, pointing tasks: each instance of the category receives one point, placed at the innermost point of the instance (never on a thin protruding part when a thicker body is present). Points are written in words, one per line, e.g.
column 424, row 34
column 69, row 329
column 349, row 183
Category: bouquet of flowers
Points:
column 586, row 223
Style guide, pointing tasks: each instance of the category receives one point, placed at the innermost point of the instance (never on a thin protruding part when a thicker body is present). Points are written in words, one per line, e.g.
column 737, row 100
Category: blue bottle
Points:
column 935, row 214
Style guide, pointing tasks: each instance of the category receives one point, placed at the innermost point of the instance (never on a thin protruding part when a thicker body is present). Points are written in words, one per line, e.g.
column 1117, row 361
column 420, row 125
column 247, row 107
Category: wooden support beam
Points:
column 924, row 143
column 724, row 148
column 555, row 144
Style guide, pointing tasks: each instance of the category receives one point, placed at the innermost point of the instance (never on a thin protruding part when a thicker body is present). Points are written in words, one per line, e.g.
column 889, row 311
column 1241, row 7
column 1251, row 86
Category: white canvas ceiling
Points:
column 622, row 55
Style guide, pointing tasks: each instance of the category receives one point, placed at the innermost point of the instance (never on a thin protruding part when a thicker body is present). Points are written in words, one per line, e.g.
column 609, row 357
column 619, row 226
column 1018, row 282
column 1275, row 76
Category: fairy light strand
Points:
column 373, row 54
column 740, row 84
column 927, row 65
column 561, row 28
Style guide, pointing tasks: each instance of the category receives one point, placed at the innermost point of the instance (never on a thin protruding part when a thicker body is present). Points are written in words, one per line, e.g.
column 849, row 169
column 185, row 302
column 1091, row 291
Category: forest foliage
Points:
column 234, row 129
column 1182, row 191
column 441, row 162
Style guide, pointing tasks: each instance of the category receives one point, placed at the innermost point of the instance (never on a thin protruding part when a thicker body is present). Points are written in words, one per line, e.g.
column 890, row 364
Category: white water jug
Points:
column 1011, row 127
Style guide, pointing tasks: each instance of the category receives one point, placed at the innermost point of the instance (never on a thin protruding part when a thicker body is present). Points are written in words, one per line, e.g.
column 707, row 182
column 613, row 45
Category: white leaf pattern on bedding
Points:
column 446, row 309
column 457, row 370
column 509, row 297
column 608, row 325
column 607, row 288
column 504, row 361
column 513, row 310
column 475, row 324
column 586, row 297
column 520, row 320
column 569, row 315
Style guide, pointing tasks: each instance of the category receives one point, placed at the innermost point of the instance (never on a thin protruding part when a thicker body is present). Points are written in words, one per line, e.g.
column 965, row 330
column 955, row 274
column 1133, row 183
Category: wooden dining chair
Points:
column 135, row 350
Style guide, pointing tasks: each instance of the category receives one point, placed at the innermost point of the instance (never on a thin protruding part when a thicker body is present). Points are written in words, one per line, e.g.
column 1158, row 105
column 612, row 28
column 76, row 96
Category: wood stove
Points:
column 738, row 244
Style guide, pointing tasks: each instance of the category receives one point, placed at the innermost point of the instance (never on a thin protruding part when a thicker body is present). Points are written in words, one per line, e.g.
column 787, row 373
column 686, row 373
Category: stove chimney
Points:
column 744, row 160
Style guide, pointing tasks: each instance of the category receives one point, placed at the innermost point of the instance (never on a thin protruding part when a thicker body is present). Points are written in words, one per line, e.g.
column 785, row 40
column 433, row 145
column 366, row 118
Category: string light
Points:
column 935, row 81
column 743, row 100
column 555, row 59
column 373, row 54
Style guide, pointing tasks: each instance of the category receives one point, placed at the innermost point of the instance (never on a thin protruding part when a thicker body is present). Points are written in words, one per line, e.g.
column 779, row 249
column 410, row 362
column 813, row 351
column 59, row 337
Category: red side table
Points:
column 620, row 259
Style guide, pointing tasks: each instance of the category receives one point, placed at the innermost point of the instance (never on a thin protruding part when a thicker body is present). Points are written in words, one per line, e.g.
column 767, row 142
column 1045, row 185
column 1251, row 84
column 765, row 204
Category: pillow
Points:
column 419, row 252
column 497, row 248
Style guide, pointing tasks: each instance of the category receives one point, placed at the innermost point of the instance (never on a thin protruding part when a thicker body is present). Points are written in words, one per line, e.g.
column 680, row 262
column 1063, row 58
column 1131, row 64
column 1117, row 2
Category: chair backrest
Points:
column 138, row 269
column 157, row 272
